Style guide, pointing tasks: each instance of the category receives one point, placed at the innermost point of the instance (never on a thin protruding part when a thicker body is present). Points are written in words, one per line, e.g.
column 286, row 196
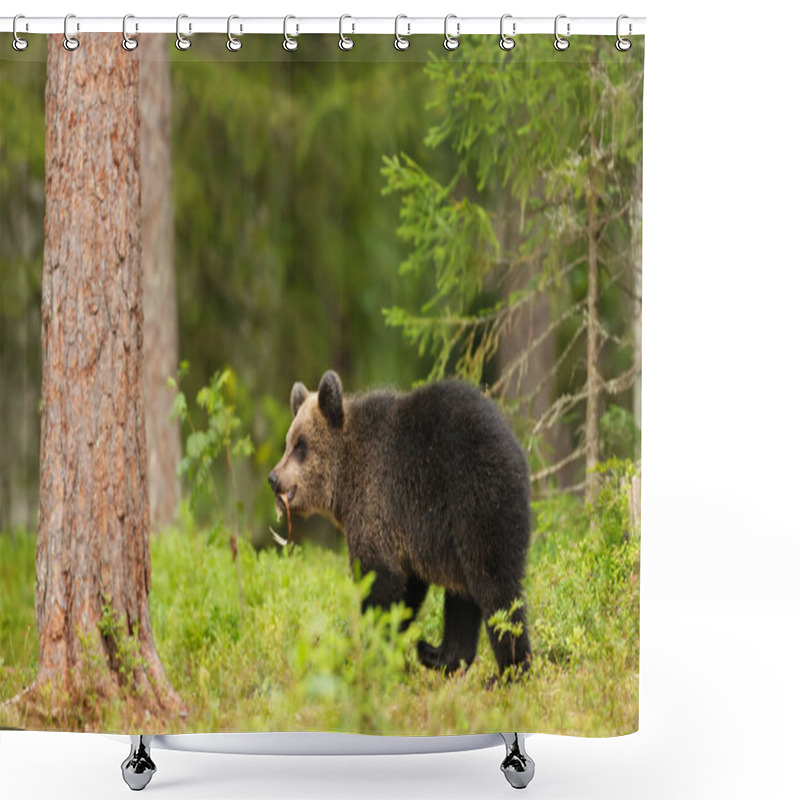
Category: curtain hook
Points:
column 289, row 42
column 506, row 42
column 128, row 42
column 182, row 43
column 18, row 43
column 623, row 44
column 234, row 44
column 561, row 44
column 345, row 42
column 400, row 42
column 70, row 42
column 450, row 42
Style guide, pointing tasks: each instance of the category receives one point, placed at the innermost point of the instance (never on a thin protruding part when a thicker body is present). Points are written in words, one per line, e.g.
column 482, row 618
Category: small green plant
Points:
column 584, row 601
column 507, row 621
column 502, row 622
column 123, row 648
column 221, row 437
column 205, row 446
column 619, row 435
column 612, row 508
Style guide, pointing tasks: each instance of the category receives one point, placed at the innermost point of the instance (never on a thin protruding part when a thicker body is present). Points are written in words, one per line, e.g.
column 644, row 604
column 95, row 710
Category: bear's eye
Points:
column 300, row 448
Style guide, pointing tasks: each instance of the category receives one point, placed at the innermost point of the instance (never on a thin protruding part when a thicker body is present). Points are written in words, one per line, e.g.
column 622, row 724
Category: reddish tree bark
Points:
column 92, row 555
column 160, row 306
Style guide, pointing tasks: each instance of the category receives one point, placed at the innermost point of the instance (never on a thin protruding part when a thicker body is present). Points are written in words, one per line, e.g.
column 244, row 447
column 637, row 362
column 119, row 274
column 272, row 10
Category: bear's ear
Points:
column 299, row 394
column 330, row 399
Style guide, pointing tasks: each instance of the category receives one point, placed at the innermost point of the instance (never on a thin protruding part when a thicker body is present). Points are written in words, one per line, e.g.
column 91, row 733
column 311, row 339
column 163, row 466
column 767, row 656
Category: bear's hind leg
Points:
column 462, row 625
column 414, row 596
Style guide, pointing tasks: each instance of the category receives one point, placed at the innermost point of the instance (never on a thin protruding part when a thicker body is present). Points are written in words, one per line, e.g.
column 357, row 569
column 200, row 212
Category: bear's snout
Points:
column 273, row 481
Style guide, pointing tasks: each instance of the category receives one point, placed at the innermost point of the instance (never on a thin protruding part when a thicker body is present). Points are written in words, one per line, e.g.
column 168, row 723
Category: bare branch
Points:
column 519, row 362
column 624, row 381
column 532, row 395
column 616, row 280
column 574, row 456
column 567, row 402
column 608, row 218
column 576, row 487
column 564, row 403
column 606, row 336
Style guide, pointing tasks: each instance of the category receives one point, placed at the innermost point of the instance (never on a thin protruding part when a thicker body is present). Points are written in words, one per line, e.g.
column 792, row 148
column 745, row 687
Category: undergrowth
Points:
column 295, row 653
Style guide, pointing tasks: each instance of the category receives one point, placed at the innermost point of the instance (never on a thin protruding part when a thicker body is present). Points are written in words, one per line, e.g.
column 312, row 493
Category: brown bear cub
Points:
column 430, row 487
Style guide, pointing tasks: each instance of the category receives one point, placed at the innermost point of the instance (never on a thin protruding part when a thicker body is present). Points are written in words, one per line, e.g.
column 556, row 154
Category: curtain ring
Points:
column 506, row 42
column 400, row 42
column 450, row 42
column 234, row 44
column 290, row 44
column 345, row 42
column 18, row 43
column 181, row 42
column 70, row 42
column 128, row 42
column 561, row 44
column 623, row 45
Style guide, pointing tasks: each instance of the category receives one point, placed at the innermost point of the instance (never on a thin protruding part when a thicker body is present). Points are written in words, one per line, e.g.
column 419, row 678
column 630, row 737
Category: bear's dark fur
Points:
column 430, row 487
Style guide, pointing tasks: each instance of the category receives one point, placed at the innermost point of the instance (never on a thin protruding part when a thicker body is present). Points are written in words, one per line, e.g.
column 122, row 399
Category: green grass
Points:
column 19, row 643
column 298, row 655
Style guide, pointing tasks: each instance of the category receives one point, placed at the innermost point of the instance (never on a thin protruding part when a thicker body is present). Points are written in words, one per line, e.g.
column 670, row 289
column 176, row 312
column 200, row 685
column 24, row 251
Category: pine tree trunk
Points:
column 92, row 555
column 527, row 326
column 593, row 382
column 160, row 306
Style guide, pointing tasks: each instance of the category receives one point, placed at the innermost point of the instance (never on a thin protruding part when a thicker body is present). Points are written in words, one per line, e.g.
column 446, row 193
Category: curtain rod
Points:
column 295, row 26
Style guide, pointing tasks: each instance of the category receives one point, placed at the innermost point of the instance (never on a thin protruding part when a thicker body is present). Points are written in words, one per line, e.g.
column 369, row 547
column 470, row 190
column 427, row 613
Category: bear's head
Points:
column 305, row 477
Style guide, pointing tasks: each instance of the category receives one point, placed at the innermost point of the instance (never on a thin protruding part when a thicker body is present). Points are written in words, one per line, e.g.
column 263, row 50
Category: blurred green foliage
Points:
column 619, row 434
column 290, row 175
column 22, row 144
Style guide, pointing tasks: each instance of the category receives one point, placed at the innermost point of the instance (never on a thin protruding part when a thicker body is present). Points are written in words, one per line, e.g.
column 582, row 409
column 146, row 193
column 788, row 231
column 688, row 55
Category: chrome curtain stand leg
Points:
column 517, row 766
column 138, row 768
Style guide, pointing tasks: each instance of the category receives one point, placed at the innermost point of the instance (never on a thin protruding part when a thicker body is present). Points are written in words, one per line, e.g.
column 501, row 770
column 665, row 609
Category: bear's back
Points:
column 459, row 474
column 454, row 425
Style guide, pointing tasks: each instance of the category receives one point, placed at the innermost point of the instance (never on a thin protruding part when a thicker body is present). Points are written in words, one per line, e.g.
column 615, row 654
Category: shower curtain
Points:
column 321, row 385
